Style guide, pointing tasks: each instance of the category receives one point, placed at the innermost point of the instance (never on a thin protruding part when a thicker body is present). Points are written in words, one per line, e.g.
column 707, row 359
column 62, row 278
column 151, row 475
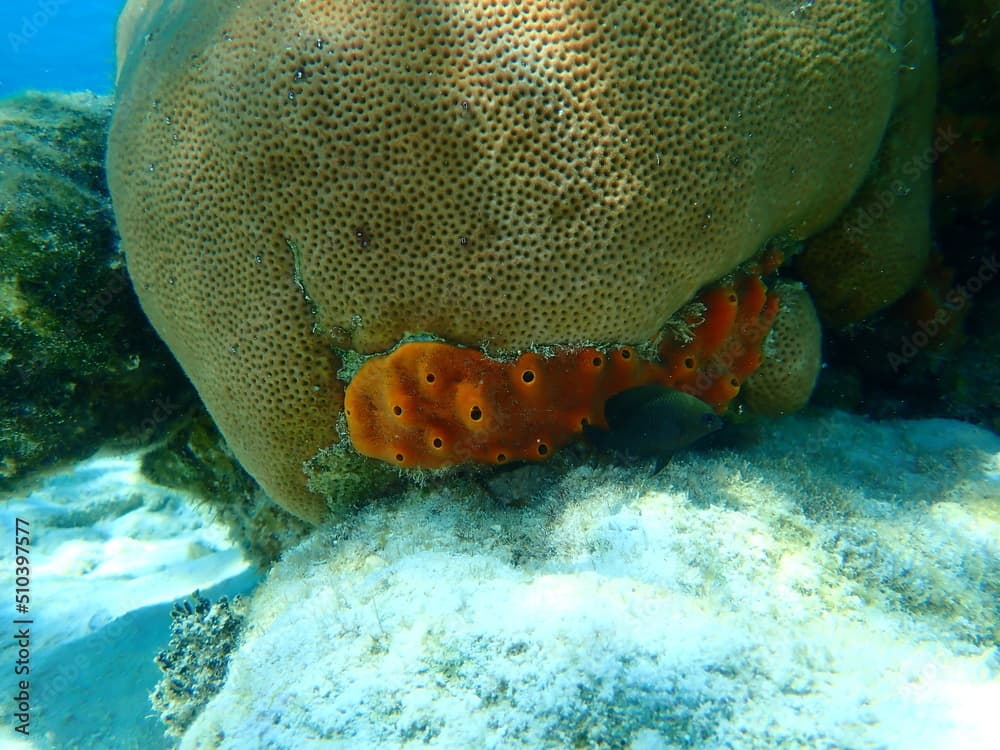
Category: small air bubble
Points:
column 171, row 281
column 463, row 240
column 465, row 104
column 299, row 74
column 319, row 44
column 291, row 95
column 258, row 260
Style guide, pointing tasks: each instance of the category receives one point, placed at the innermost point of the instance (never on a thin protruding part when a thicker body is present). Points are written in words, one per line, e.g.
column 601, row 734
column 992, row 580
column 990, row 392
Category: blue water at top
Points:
column 66, row 45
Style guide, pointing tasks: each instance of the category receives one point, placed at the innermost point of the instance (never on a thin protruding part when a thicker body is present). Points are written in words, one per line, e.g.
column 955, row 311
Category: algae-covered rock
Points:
column 78, row 362
column 194, row 664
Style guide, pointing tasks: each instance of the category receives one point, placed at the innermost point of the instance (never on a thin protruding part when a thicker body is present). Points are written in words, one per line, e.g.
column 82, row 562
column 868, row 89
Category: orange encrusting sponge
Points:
column 726, row 348
column 432, row 404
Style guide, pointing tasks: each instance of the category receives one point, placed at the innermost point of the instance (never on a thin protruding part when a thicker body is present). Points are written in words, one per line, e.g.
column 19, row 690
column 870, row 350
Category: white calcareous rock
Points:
column 824, row 582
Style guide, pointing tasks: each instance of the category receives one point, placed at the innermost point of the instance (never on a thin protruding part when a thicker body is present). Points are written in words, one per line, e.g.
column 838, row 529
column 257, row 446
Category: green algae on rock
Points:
column 78, row 362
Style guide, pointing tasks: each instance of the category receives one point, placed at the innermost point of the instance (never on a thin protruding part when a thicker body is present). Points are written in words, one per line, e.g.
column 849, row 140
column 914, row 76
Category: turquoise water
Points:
column 57, row 44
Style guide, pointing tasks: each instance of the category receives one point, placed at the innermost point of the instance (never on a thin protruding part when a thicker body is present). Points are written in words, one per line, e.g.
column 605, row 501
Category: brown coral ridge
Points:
column 287, row 176
column 878, row 248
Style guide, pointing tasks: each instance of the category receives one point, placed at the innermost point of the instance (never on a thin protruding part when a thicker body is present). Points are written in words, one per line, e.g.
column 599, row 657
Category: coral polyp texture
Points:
column 790, row 359
column 299, row 181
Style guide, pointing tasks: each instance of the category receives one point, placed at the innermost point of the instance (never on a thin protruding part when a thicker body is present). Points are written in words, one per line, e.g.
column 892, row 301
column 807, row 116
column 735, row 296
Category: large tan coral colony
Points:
column 297, row 180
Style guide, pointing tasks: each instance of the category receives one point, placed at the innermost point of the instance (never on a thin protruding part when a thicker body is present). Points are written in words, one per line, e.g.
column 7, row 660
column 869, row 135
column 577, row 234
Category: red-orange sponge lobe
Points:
column 431, row 404
column 726, row 347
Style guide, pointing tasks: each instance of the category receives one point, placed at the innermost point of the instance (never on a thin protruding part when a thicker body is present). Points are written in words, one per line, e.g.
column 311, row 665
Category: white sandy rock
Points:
column 830, row 582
